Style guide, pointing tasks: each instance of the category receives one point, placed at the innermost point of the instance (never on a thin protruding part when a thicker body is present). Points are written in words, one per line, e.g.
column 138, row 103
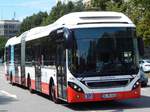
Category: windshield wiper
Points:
column 85, row 74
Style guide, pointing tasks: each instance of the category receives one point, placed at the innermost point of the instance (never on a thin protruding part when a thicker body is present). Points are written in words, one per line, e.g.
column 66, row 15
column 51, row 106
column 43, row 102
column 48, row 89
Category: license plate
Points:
column 109, row 95
column 88, row 96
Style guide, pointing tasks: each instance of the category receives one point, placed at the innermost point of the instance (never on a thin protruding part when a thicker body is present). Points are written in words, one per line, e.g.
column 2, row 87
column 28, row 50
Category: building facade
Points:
column 9, row 28
column 66, row 1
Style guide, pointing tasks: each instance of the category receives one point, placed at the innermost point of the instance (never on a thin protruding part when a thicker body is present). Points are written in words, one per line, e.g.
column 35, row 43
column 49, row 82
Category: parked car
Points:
column 143, row 78
column 145, row 65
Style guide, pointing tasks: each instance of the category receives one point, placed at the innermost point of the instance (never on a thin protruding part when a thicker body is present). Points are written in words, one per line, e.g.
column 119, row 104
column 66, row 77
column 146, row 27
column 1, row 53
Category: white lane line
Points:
column 8, row 94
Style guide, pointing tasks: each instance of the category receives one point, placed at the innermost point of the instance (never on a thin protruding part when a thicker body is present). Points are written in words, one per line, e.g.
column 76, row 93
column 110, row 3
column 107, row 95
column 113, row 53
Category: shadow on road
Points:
column 148, row 86
column 117, row 106
column 5, row 100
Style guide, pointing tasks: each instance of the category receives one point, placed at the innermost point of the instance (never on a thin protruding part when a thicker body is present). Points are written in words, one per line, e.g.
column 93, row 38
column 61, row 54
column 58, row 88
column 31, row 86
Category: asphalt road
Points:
column 17, row 99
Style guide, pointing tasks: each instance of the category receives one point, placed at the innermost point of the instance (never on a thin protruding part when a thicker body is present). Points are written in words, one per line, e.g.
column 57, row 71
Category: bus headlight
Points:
column 75, row 87
column 137, row 83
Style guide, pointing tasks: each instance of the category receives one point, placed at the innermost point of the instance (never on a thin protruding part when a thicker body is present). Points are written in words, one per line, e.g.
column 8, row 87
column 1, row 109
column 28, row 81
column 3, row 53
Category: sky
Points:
column 23, row 8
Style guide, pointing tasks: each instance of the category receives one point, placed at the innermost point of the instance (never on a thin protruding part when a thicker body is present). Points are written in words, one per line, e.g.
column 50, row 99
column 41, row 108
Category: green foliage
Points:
column 55, row 13
column 3, row 41
column 42, row 18
column 116, row 6
column 61, row 9
column 33, row 21
column 137, row 10
column 99, row 4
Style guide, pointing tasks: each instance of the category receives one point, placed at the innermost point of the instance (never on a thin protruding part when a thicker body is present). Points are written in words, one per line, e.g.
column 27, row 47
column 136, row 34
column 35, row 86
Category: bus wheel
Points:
column 11, row 80
column 53, row 93
column 29, row 85
column 28, row 82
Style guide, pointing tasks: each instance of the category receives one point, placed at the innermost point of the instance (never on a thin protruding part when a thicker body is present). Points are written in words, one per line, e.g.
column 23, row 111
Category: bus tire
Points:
column 28, row 82
column 53, row 94
column 29, row 85
column 11, row 79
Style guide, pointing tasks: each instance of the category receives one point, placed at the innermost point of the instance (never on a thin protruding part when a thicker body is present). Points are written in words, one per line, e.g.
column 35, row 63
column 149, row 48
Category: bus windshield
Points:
column 103, row 52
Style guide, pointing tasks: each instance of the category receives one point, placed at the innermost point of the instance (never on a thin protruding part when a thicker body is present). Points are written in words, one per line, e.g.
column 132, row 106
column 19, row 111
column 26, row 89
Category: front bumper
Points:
column 75, row 97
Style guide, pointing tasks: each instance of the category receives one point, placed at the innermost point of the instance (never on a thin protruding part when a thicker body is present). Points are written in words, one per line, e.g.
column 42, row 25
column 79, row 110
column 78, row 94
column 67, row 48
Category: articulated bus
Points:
column 82, row 57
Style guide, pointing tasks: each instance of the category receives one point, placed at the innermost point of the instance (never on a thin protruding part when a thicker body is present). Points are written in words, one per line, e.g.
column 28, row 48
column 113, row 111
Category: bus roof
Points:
column 80, row 19
column 96, row 17
column 12, row 41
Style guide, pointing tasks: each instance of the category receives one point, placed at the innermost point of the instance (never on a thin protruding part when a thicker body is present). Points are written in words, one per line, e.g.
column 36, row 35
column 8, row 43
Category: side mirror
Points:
column 69, row 38
column 140, row 46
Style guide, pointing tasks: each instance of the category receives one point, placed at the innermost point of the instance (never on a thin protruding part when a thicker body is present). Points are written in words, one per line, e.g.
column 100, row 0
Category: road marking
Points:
column 8, row 94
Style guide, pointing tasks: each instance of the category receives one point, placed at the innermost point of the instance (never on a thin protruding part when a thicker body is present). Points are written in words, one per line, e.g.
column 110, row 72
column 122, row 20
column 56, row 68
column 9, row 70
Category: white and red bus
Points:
column 82, row 57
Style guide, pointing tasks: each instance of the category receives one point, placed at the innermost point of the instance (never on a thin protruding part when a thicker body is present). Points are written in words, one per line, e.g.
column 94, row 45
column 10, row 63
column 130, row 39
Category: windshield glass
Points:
column 103, row 51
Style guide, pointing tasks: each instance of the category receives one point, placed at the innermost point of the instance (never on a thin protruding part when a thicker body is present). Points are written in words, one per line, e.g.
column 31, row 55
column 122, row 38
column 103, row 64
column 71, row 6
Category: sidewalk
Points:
column 1, row 69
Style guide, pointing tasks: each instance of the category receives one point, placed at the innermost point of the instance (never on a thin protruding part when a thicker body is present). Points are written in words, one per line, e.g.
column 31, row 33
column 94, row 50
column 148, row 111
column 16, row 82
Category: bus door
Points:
column 61, row 71
column 23, row 78
column 17, row 61
column 38, row 76
column 16, row 73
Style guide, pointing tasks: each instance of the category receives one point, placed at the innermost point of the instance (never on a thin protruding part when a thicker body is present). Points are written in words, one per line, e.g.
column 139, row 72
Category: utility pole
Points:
column 14, row 16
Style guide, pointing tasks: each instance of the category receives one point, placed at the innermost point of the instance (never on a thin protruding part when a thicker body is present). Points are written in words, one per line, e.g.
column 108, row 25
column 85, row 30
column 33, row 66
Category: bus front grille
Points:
column 109, row 84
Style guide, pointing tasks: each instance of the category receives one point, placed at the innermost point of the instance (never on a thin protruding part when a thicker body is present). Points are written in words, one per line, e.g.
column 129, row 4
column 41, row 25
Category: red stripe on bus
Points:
column 75, row 97
column 33, row 84
column 45, row 88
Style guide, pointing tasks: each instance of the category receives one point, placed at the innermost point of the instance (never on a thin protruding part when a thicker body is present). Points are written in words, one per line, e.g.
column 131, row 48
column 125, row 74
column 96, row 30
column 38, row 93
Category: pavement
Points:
column 17, row 99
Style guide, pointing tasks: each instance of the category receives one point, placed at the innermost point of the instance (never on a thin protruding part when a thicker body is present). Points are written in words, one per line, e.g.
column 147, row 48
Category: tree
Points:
column 79, row 6
column 55, row 13
column 99, row 4
column 3, row 41
column 143, row 28
column 138, row 10
column 33, row 21
column 116, row 5
column 61, row 9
